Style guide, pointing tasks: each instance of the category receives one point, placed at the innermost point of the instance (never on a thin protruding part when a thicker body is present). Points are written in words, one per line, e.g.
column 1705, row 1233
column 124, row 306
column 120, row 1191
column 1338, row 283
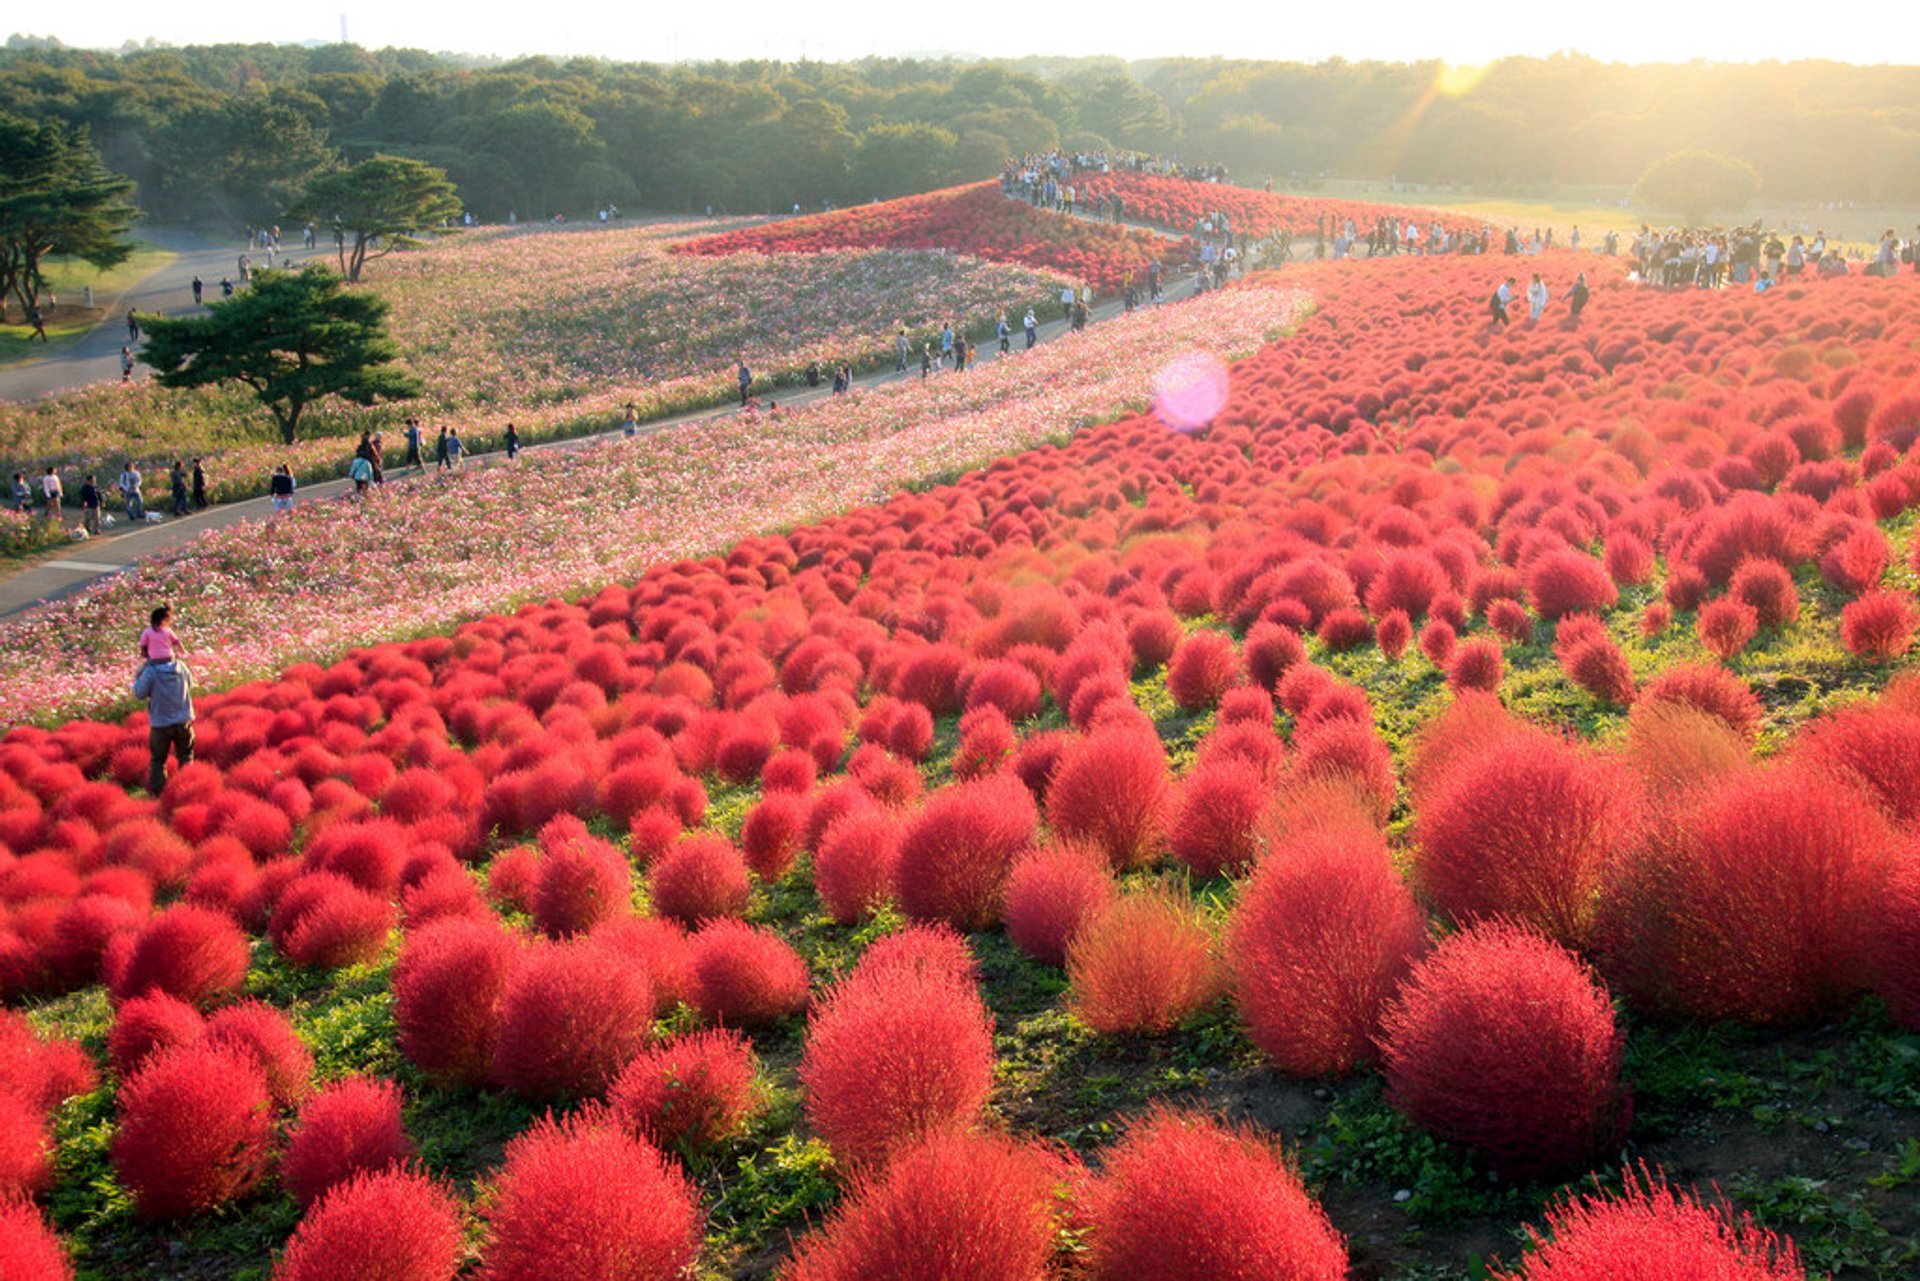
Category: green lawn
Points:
column 67, row 280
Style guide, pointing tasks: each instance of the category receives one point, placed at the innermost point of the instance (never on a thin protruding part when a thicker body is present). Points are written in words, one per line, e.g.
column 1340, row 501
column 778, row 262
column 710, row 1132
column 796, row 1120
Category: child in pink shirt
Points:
column 158, row 643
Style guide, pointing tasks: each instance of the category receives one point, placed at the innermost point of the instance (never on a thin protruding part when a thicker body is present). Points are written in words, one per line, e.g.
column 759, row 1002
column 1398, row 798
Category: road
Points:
column 95, row 356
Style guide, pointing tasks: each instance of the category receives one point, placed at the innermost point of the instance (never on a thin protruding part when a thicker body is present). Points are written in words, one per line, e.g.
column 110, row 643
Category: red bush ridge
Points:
column 1523, row 828
column 1142, row 965
column 1878, row 625
column 389, row 1225
column 1875, row 748
column 582, row 1198
column 447, row 989
column 1503, row 1042
column 1649, row 1232
column 194, row 1131
column 1324, row 931
column 1711, row 689
column 189, row 952
column 853, row 868
column 1184, row 1198
column 892, row 1057
column 1750, row 904
column 1111, row 791
column 956, row 1205
column 956, row 852
column 1896, row 942
column 1213, row 817
column 1050, row 893
column 29, row 1250
column 267, row 1037
column 572, row 1015
column 740, row 975
column 688, row 1093
column 703, row 878
column 351, row 1127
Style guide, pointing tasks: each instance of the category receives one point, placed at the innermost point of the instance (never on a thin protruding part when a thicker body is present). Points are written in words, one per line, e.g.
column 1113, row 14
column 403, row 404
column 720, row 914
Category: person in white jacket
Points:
column 1536, row 297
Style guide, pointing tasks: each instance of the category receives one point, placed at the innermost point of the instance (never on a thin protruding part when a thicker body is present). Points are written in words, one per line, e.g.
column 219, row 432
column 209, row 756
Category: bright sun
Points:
column 1456, row 81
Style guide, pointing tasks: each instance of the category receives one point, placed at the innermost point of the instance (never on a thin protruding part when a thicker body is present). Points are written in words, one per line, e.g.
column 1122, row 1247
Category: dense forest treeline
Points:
column 228, row 134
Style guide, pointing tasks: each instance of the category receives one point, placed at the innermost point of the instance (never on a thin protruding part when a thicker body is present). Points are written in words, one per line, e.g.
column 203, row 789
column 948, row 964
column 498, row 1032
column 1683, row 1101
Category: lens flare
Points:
column 1190, row 391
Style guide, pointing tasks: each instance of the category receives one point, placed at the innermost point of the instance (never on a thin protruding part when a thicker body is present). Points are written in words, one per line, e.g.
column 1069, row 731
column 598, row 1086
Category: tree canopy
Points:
column 56, row 198
column 293, row 338
column 377, row 206
column 1694, row 184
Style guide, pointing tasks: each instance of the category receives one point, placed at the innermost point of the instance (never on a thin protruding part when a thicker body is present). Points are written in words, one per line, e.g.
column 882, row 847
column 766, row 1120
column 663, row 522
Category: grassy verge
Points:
column 67, row 280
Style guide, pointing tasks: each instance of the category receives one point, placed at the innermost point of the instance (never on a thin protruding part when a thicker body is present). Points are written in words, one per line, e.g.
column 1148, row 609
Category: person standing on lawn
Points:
column 167, row 688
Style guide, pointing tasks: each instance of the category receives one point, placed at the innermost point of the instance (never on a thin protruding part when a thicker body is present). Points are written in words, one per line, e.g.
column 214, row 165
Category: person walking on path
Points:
column 1004, row 332
column 199, row 486
column 39, row 323
column 900, row 347
column 745, row 378
column 413, row 444
column 280, row 488
column 51, row 493
column 946, row 344
column 133, row 325
column 440, row 460
column 126, row 364
column 177, row 484
column 1536, row 298
column 1066, row 302
column 454, row 450
column 630, row 425
column 926, row 361
column 377, row 455
column 199, row 290
column 1033, row 329
column 1577, row 296
column 168, row 690
column 360, row 472
column 512, row 442
column 90, row 506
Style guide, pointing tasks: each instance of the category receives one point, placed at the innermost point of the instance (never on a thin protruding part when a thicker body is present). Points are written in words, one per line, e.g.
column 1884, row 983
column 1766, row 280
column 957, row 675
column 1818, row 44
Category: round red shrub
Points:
column 688, row 1093
column 351, row 1127
column 1566, row 582
column 1142, row 965
column 1749, row 905
column 194, row 1132
column 855, row 862
column 1324, row 931
column 893, row 1056
column 1878, row 625
column 1392, row 634
column 345, row 925
column 1050, row 893
column 740, row 975
column 1709, row 688
column 977, row 1206
column 1503, row 1042
column 571, row 1017
column 1600, row 667
column 1437, row 640
column 1183, row 1197
column 1629, row 559
column 1855, row 563
column 147, row 1025
column 1524, row 828
column 1649, row 1232
column 389, row 1225
column 26, row 1149
column 956, row 852
column 447, row 989
column 771, row 836
column 1203, row 668
column 581, row 882
column 1213, row 817
column 1012, row 687
column 1768, row 588
column 1153, row 637
column 582, row 1198
column 1269, row 651
column 266, row 1036
column 700, row 879
column 1345, row 629
column 1476, row 665
column 1725, row 625
column 1111, row 791
column 190, row 952
column 29, row 1250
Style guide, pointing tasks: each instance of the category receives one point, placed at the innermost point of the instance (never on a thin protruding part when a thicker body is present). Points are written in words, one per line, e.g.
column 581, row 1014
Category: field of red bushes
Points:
column 1459, row 723
column 977, row 220
column 1179, row 204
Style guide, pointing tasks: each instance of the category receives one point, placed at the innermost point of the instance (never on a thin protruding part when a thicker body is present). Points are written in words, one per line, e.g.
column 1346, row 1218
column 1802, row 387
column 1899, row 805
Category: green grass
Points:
column 67, row 279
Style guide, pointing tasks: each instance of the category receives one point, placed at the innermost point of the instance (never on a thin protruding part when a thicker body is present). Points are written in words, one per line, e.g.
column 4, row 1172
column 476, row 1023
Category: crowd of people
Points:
column 186, row 494
column 1752, row 256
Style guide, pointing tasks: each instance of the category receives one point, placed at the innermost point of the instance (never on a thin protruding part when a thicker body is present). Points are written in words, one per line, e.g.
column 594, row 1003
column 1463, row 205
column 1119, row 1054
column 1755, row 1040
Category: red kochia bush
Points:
column 267, row 1037
column 1476, row 665
column 1768, row 588
column 582, row 881
column 1750, row 905
column 892, row 1057
column 1323, row 932
column 1878, row 625
column 389, row 1225
column 1569, row 582
column 1203, row 668
column 1523, row 827
column 1649, row 1232
column 740, row 975
column 770, row 837
column 1213, row 816
column 190, row 952
column 956, row 852
column 194, row 1131
column 26, row 1149
column 688, row 1093
column 45, row 1073
column 1709, row 688
column 1895, row 942
column 572, row 1015
column 29, row 1250
column 853, row 867
column 1111, row 791
column 1050, row 893
column 974, row 1206
column 582, row 1198
column 147, row 1025
column 1185, row 1198
column 447, row 988
column 1270, row 650
column 1142, row 965
column 1725, row 625
column 701, row 878
column 1502, row 1041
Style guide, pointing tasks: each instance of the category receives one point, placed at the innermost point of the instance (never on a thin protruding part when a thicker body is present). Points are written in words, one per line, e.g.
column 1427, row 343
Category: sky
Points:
column 837, row 30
